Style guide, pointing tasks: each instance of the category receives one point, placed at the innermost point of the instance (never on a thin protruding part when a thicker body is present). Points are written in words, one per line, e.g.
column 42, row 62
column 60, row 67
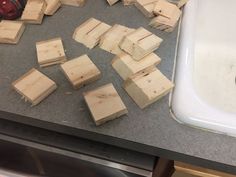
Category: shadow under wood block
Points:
column 34, row 86
column 34, row 11
column 105, row 104
column 111, row 39
column 11, row 31
column 50, row 52
column 126, row 66
column 146, row 7
column 52, row 6
column 90, row 32
column 140, row 43
column 146, row 87
column 81, row 71
column 76, row 3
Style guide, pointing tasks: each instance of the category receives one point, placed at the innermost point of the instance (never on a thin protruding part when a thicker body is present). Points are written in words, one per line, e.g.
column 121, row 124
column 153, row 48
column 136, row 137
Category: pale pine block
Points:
column 182, row 3
column 146, row 7
column 34, row 86
column 112, row 2
column 167, row 9
column 105, row 104
column 34, row 11
column 11, row 31
column 52, row 6
column 140, row 43
column 111, row 39
column 90, row 32
column 50, row 52
column 76, row 3
column 146, row 87
column 128, row 2
column 81, row 71
column 126, row 66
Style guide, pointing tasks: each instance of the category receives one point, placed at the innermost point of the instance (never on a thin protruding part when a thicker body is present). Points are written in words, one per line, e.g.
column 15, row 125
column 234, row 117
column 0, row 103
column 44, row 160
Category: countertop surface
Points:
column 152, row 130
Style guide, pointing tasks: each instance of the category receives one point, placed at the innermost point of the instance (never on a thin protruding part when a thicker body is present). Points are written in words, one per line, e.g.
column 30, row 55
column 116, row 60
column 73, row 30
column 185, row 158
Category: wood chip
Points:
column 52, row 6
column 140, row 43
column 147, row 87
column 105, row 104
column 11, row 31
column 50, row 52
column 128, row 2
column 34, row 11
column 34, row 86
column 90, row 32
column 146, row 7
column 112, row 2
column 81, row 71
column 111, row 39
column 76, row 3
column 126, row 66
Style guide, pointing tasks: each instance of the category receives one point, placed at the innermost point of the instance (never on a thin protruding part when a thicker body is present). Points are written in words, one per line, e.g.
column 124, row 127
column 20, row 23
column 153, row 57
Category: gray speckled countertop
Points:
column 151, row 130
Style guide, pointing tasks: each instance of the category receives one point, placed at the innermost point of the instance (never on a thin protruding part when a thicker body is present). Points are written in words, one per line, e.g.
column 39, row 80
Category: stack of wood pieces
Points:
column 166, row 14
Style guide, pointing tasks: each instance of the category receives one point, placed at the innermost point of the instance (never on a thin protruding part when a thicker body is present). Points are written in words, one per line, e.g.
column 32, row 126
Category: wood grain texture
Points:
column 111, row 39
column 34, row 11
column 76, row 3
column 52, row 6
column 198, row 171
column 148, row 86
column 50, row 52
column 146, row 7
column 11, row 31
column 34, row 86
column 81, row 71
column 140, row 43
column 90, row 32
column 126, row 66
column 105, row 104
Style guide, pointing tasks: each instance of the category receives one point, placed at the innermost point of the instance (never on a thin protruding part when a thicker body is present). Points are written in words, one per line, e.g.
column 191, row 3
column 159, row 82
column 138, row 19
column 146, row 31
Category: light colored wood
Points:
column 167, row 9
column 128, row 2
column 34, row 11
column 164, row 23
column 140, row 43
column 34, row 86
column 52, row 6
column 199, row 171
column 105, row 104
column 112, row 2
column 146, row 7
column 76, row 3
column 182, row 3
column 11, row 31
column 81, row 71
column 90, row 32
column 111, row 39
column 50, row 52
column 148, row 86
column 126, row 66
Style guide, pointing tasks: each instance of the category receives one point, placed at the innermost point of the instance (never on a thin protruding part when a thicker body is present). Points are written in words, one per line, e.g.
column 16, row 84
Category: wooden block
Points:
column 146, row 87
column 34, row 86
column 167, row 9
column 34, row 11
column 105, row 104
column 90, row 32
column 128, row 2
column 140, row 43
column 77, row 3
column 182, row 3
column 111, row 39
column 111, row 2
column 81, row 71
column 52, row 6
column 11, row 31
column 146, row 7
column 50, row 52
column 126, row 66
column 164, row 23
